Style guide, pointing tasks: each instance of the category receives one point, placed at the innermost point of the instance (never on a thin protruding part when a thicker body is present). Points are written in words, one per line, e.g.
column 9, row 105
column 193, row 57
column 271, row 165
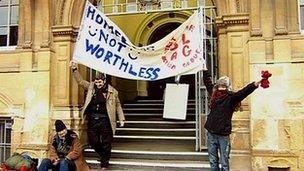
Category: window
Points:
column 9, row 12
column 166, row 4
column 184, row 3
column 5, row 138
column 131, row 6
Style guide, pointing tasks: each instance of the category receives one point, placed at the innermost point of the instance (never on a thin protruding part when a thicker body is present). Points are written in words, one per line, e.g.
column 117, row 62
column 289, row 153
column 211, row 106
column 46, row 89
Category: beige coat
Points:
column 112, row 101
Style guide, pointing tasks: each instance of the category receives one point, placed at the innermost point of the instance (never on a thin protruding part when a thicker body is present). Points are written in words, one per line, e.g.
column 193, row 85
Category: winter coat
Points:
column 112, row 101
column 75, row 153
column 220, row 116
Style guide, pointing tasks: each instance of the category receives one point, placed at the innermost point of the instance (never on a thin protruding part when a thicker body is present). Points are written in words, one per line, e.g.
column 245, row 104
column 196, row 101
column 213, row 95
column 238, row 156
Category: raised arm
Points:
column 83, row 83
column 208, row 82
column 244, row 92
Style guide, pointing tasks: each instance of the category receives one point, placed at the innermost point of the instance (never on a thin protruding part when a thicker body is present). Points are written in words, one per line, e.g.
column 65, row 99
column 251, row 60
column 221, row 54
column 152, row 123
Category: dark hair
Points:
column 100, row 76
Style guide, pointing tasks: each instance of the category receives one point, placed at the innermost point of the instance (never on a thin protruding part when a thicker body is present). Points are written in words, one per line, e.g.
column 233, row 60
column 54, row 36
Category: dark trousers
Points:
column 63, row 165
column 100, row 137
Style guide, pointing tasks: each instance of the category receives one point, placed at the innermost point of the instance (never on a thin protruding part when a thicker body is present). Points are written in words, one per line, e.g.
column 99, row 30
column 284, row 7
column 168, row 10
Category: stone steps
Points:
column 150, row 142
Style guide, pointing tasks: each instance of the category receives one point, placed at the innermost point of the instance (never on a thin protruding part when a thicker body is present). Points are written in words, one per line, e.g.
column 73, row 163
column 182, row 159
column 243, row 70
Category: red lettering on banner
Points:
column 186, row 53
column 172, row 45
column 190, row 27
column 191, row 60
column 184, row 39
column 185, row 42
column 184, row 49
column 174, row 56
column 168, row 63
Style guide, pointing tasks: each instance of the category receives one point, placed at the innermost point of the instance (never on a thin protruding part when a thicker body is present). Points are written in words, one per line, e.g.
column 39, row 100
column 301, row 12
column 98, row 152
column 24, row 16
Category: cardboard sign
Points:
column 176, row 100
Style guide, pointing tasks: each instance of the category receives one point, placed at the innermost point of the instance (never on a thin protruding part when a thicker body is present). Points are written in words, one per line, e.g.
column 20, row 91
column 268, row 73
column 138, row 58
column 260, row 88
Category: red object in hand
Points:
column 264, row 82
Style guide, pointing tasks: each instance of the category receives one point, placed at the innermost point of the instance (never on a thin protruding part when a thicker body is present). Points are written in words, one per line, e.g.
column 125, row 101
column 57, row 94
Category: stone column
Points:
column 67, row 96
column 26, row 13
column 280, row 17
column 292, row 17
column 255, row 14
column 45, row 27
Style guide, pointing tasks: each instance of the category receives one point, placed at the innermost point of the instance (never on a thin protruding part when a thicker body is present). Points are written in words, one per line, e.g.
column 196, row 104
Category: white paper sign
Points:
column 176, row 99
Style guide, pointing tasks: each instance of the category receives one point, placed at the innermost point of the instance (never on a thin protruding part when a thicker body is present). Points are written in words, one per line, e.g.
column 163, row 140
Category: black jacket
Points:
column 63, row 147
column 219, row 118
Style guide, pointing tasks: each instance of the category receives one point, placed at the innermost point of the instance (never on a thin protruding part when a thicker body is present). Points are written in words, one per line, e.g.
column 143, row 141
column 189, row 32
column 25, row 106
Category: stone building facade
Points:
column 37, row 87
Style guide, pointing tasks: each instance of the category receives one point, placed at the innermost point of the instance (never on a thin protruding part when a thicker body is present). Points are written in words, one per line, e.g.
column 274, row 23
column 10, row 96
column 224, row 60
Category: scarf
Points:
column 216, row 96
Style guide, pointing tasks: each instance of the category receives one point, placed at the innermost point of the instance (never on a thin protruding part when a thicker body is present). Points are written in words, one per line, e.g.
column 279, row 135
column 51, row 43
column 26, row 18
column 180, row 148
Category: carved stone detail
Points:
column 280, row 163
column 255, row 33
column 45, row 44
column 281, row 31
column 27, row 44
column 229, row 20
column 60, row 11
column 238, row 6
column 65, row 31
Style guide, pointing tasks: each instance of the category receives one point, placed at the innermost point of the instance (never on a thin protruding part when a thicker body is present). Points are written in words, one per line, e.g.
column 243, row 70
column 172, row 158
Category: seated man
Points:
column 66, row 151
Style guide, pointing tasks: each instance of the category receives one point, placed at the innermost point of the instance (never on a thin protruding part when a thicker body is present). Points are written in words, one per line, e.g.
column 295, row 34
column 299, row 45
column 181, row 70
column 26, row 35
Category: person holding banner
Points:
column 100, row 109
column 223, row 103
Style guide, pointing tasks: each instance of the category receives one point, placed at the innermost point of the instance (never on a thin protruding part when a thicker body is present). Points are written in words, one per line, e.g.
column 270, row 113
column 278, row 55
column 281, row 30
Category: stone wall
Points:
column 275, row 115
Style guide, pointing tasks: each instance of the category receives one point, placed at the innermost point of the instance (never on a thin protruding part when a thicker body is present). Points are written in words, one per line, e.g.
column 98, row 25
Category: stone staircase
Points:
column 149, row 142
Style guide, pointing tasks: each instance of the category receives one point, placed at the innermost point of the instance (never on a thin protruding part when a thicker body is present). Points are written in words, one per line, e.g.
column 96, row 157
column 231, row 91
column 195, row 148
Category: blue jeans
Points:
column 63, row 165
column 218, row 144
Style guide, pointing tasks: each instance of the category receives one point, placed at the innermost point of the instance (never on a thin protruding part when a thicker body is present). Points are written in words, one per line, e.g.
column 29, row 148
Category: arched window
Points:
column 9, row 12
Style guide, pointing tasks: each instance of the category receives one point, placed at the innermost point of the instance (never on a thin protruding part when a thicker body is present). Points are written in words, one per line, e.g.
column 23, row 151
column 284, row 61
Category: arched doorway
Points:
column 156, row 88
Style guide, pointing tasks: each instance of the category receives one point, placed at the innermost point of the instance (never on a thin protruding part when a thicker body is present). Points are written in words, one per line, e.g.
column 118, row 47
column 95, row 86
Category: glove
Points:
column 264, row 82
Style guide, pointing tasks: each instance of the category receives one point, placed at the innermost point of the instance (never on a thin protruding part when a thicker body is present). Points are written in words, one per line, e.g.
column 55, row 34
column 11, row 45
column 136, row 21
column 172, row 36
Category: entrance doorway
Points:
column 156, row 88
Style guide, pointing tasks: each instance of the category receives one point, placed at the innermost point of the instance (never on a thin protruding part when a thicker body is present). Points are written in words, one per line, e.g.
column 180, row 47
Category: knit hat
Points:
column 224, row 81
column 59, row 125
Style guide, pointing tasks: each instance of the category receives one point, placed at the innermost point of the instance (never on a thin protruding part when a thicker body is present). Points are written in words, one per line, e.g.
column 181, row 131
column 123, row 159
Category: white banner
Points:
column 101, row 45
